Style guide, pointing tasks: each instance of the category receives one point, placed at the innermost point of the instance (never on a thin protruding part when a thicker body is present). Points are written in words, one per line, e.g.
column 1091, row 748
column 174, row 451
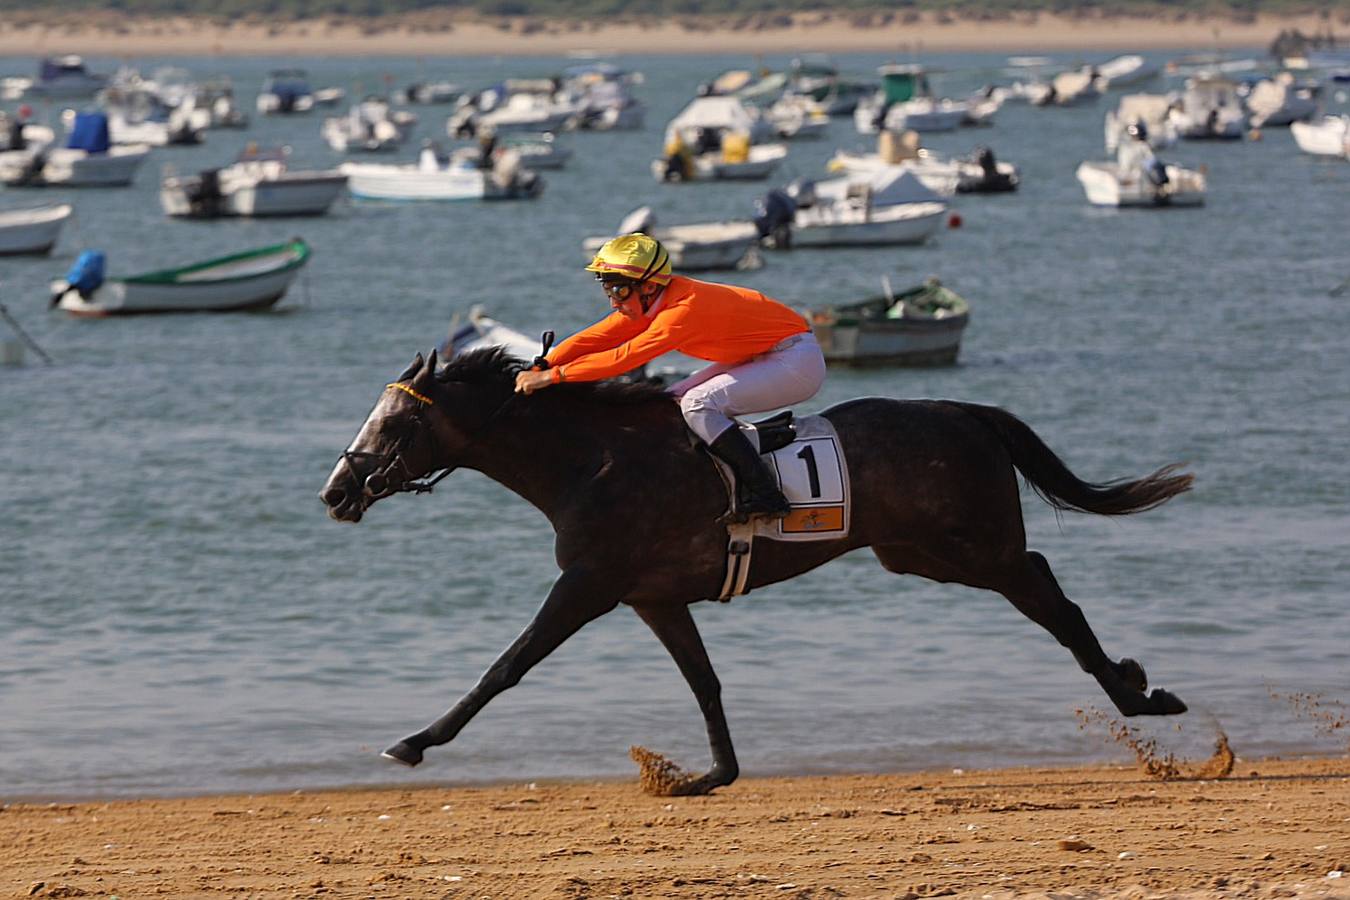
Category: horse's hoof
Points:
column 403, row 754
column 1165, row 703
column 1132, row 674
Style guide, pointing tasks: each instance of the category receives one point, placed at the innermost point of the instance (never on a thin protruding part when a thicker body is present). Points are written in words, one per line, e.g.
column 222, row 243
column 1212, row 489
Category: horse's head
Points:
column 421, row 425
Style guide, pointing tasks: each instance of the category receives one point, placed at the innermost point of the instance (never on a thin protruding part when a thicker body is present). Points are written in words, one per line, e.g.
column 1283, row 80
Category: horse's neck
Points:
column 544, row 451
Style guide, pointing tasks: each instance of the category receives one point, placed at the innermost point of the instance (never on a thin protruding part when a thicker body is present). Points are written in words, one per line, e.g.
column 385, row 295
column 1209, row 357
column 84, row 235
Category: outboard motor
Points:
column 991, row 179
column 774, row 214
column 204, row 196
column 1156, row 171
column 84, row 277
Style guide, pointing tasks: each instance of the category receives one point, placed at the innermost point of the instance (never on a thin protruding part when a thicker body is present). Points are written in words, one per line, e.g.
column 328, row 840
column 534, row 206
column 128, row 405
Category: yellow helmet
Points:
column 636, row 256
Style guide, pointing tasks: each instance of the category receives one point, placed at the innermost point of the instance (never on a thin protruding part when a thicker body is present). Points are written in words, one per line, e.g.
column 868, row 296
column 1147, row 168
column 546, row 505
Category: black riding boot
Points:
column 757, row 490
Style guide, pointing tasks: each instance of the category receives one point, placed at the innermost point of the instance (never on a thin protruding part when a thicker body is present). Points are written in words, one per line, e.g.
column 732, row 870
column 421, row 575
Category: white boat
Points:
column 844, row 213
column 794, row 117
column 694, row 247
column 906, row 102
column 537, row 151
column 370, row 126
column 16, row 134
column 529, row 112
column 89, row 159
column 1152, row 110
column 1282, row 101
column 1126, row 71
column 708, row 120
column 141, row 119
column 254, row 185
column 982, row 173
column 254, row 279
column 32, row 231
column 329, row 96
column 480, row 331
column 65, row 78
column 285, row 91
column 1067, row 89
column 982, row 105
column 1209, row 109
column 755, row 163
column 434, row 179
column 428, row 93
column 1138, row 178
column 217, row 98
column 1328, row 137
column 602, row 92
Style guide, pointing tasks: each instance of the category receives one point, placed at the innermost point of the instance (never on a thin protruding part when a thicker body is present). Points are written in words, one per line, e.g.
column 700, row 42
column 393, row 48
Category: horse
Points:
column 636, row 509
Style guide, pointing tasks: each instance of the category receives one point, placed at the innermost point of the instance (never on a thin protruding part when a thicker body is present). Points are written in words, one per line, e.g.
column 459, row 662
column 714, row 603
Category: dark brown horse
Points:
column 635, row 506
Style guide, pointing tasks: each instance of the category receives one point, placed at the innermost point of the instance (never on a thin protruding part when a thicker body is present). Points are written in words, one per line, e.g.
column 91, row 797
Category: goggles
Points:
column 617, row 290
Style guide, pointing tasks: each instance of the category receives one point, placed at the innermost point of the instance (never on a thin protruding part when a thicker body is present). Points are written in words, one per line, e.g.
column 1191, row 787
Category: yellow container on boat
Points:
column 735, row 147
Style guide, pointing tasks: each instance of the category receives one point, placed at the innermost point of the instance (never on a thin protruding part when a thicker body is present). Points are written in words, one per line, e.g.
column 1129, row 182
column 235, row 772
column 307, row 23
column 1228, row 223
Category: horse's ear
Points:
column 431, row 363
column 412, row 369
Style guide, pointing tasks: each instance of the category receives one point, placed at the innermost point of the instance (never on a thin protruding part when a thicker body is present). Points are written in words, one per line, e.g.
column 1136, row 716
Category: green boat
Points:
column 918, row 327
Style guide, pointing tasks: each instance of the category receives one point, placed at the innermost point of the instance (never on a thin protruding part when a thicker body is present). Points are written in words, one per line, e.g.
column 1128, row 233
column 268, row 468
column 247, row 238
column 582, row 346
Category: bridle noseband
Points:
column 377, row 484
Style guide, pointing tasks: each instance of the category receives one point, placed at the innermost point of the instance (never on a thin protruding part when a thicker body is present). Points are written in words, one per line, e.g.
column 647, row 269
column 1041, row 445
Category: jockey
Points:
column 764, row 355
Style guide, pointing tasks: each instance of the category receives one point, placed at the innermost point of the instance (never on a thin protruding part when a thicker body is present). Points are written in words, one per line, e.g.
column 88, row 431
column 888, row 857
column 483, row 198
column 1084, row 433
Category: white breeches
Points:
column 789, row 372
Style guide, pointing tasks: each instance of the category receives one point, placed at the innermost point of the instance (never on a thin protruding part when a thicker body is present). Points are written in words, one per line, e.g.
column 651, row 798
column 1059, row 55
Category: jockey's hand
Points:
column 529, row 381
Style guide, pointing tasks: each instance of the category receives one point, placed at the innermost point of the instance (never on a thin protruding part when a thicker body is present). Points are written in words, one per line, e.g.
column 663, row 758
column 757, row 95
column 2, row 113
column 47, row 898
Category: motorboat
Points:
column 1153, row 111
column 603, row 94
column 816, row 78
column 705, row 120
column 737, row 160
column 32, row 231
column 1283, row 100
column 1067, row 89
column 18, row 134
column 693, row 247
column 142, row 117
column 906, row 102
column 428, row 93
column 1126, row 71
column 329, row 96
column 1329, row 136
column 216, row 96
column 921, row 326
column 251, row 280
column 434, row 178
column 65, row 78
column 514, row 105
column 285, row 91
column 794, row 117
column 89, row 159
column 537, row 151
column 1138, row 178
column 370, row 126
column 982, row 105
column 256, row 184
column 980, row 173
column 1209, row 109
column 845, row 213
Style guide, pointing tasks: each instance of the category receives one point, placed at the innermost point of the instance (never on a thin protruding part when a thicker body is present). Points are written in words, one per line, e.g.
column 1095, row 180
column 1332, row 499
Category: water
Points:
column 179, row 615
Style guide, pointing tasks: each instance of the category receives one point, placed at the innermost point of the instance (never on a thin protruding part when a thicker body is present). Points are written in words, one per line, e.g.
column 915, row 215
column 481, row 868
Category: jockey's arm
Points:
column 663, row 335
column 609, row 332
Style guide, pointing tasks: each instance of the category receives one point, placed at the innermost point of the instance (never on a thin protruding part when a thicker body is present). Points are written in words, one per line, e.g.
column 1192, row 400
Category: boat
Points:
column 794, row 117
column 918, row 327
column 815, row 77
column 1328, row 137
column 708, row 119
column 1209, row 109
column 329, row 96
column 516, row 104
column 65, row 78
column 480, row 331
column 736, row 160
column 433, row 178
column 1153, row 111
column 142, row 117
column 906, row 102
column 537, row 151
column 17, row 133
column 1126, row 71
column 1067, row 89
column 845, row 213
column 254, row 279
column 602, row 92
column 89, row 158
column 256, row 184
column 981, row 173
column 285, row 91
column 1282, row 100
column 32, row 231
column 370, row 126
column 694, row 247
column 1138, row 178
column 216, row 96
column 428, row 93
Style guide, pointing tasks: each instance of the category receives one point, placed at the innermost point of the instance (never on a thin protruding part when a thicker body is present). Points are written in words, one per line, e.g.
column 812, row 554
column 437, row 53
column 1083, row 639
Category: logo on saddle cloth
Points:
column 808, row 460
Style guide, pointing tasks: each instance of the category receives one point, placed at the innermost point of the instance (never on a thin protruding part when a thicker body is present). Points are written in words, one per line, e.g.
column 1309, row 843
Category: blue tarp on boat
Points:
column 87, row 273
column 90, row 132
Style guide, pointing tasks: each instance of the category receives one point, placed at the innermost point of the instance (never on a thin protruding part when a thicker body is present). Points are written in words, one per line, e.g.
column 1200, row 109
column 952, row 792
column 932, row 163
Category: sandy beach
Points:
column 433, row 34
column 1272, row 828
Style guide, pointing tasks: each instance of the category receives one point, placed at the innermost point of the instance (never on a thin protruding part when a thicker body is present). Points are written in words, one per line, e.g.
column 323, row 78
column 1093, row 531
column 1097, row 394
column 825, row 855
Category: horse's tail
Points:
column 1052, row 480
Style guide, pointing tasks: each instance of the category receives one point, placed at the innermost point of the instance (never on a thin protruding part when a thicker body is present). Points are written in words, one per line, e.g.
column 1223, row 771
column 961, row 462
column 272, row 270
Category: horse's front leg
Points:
column 677, row 631
column 576, row 598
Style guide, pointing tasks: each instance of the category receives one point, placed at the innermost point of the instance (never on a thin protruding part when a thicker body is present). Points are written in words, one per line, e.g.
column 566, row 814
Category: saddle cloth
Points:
column 808, row 461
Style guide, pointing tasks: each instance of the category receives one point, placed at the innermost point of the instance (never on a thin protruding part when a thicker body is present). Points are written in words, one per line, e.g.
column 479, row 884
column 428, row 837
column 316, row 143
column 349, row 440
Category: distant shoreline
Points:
column 121, row 36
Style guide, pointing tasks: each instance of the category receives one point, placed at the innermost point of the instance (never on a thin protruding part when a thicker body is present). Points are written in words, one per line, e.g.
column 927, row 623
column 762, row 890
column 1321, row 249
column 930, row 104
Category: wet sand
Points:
column 433, row 34
column 1273, row 828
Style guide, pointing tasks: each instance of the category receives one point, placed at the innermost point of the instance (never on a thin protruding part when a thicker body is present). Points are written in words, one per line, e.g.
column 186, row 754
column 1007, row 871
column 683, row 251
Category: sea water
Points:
column 178, row 613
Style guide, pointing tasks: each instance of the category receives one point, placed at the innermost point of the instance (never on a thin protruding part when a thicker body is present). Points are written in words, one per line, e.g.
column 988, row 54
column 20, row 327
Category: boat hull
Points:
column 1330, row 137
column 290, row 195
column 1104, row 186
column 898, row 342
column 75, row 168
column 32, row 231
column 884, row 226
column 375, row 182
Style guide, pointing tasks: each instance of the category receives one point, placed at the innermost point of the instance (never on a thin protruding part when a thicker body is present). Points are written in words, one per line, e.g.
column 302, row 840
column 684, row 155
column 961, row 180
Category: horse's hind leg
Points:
column 675, row 627
column 1032, row 588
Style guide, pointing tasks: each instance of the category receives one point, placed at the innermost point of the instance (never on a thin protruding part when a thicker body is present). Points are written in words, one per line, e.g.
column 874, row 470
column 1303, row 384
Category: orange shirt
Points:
column 716, row 322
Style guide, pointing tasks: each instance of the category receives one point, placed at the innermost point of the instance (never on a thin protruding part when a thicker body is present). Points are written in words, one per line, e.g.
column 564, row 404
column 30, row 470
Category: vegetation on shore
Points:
column 765, row 13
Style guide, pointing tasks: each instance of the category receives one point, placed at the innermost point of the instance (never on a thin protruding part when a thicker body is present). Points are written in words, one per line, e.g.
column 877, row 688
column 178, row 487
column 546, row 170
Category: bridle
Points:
column 378, row 483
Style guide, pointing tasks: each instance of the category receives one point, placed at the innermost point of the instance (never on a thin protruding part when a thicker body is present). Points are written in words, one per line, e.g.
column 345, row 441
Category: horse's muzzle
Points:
column 342, row 494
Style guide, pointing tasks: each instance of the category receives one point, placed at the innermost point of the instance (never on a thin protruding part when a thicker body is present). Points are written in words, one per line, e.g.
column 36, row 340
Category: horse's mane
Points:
column 494, row 365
